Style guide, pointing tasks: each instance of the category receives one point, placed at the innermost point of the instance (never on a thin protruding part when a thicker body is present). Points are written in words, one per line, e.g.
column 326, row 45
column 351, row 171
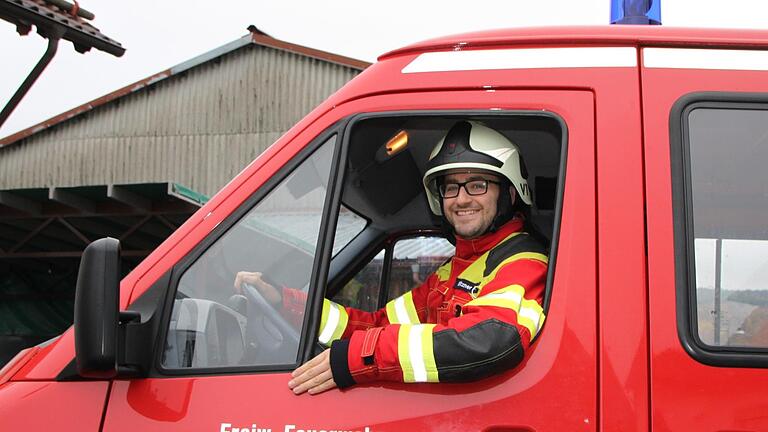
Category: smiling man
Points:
column 478, row 313
column 470, row 213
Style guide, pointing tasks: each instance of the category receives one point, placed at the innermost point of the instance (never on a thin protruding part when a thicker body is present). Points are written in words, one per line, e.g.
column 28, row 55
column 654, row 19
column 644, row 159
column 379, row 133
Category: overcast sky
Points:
column 161, row 34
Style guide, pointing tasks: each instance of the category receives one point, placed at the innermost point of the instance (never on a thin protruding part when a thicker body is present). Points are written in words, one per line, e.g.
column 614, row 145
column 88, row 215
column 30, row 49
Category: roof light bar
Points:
column 644, row 12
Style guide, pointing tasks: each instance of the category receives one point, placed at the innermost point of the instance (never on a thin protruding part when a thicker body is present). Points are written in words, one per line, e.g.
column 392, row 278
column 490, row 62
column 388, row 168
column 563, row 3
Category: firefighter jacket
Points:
column 473, row 317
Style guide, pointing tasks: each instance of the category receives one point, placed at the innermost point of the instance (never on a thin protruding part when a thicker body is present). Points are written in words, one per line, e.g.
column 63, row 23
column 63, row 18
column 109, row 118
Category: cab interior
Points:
column 387, row 189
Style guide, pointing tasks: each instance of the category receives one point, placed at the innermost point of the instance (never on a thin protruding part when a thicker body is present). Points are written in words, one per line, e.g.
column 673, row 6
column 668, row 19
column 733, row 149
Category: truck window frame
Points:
column 682, row 216
column 330, row 212
column 463, row 114
column 322, row 260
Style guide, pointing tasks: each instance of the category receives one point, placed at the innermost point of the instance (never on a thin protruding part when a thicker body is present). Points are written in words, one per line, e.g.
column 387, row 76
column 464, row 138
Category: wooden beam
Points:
column 71, row 200
column 133, row 229
column 166, row 222
column 123, row 195
column 75, row 231
column 20, row 203
column 32, row 234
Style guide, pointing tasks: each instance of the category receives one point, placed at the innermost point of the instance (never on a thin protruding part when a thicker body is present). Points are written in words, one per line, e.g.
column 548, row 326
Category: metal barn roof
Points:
column 256, row 37
column 196, row 124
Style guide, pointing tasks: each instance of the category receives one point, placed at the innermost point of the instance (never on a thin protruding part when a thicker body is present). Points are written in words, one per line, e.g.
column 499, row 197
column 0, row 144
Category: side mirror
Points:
column 96, row 309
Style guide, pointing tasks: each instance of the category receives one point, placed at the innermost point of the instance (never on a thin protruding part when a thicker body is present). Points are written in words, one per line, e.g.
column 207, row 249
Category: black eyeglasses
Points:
column 473, row 187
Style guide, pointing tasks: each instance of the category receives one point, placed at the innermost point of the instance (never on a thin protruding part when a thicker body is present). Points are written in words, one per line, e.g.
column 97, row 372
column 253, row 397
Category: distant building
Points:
column 136, row 163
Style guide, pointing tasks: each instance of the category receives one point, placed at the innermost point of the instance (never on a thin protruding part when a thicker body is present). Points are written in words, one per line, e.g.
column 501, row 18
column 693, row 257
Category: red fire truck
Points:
column 646, row 150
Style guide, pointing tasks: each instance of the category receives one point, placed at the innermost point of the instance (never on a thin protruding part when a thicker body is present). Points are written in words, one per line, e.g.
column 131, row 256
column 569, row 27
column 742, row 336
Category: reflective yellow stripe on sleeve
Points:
column 333, row 322
column 416, row 354
column 529, row 313
column 402, row 310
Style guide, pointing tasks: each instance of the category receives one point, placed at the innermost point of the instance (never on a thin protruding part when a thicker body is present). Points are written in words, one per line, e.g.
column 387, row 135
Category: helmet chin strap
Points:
column 504, row 210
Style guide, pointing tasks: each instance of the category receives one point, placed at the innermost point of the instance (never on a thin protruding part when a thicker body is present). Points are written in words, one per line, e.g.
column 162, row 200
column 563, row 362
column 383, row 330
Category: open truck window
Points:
column 386, row 239
column 404, row 242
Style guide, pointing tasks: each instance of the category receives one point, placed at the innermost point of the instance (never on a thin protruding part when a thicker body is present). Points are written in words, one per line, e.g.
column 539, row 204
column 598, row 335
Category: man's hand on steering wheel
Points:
column 270, row 293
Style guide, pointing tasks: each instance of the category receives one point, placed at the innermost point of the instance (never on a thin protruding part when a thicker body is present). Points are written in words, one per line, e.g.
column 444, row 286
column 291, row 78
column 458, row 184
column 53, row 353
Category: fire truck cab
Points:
column 646, row 150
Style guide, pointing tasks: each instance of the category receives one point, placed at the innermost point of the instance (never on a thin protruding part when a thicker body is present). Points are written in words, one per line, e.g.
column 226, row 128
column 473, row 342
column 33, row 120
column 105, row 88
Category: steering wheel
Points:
column 270, row 337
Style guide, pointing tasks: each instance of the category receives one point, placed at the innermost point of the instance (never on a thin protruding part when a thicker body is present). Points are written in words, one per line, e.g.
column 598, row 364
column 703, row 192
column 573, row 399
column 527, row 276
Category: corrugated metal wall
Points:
column 198, row 128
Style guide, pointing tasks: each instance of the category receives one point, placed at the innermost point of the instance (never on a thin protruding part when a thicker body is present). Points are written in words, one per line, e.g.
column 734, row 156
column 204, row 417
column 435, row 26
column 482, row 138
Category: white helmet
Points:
column 471, row 145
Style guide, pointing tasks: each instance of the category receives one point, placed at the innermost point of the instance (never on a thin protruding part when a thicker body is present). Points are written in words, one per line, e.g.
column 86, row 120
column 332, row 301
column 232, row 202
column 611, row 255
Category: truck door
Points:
column 224, row 355
column 706, row 123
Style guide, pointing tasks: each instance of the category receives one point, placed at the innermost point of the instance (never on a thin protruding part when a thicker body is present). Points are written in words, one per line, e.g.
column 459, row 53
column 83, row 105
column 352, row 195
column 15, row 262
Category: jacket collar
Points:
column 470, row 248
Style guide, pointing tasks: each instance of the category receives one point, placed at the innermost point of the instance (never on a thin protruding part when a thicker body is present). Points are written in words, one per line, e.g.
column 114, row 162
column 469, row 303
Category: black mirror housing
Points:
column 96, row 309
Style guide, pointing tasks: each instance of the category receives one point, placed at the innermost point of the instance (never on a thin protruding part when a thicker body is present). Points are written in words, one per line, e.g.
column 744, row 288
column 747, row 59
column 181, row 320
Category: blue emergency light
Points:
column 647, row 12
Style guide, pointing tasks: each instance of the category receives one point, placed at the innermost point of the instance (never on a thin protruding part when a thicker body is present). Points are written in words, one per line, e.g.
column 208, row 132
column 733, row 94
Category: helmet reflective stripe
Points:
column 416, row 354
column 402, row 310
column 471, row 145
column 333, row 322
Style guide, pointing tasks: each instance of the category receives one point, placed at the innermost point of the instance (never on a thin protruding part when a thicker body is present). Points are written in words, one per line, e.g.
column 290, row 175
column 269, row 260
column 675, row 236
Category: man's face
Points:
column 471, row 215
